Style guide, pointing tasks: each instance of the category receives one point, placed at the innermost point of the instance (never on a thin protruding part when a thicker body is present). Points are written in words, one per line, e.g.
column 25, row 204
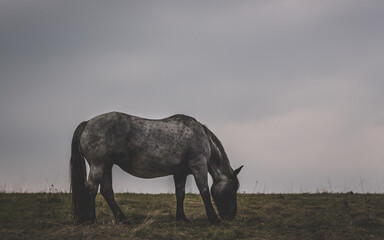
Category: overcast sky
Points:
column 294, row 89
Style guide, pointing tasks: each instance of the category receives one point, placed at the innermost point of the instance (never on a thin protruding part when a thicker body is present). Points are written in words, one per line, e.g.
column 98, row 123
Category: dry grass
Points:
column 260, row 216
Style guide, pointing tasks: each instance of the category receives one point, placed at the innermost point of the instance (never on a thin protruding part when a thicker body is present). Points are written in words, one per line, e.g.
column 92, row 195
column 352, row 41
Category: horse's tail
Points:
column 81, row 202
column 217, row 149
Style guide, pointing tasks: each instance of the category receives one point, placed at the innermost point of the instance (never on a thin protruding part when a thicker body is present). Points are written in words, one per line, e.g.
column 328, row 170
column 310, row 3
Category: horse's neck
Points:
column 219, row 170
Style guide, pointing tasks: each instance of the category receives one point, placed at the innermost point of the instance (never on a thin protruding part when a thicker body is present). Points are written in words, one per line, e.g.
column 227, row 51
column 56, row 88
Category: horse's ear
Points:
column 236, row 172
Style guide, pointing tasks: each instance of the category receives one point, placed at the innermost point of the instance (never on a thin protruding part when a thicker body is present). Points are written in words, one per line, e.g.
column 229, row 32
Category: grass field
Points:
column 260, row 216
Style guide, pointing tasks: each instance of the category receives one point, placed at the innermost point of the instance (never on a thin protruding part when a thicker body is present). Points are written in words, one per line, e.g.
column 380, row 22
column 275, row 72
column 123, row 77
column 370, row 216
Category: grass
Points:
column 260, row 216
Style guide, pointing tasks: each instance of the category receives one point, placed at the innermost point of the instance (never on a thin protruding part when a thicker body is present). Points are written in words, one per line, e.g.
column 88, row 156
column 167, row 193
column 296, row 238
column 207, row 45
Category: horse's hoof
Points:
column 183, row 219
column 123, row 221
column 216, row 221
column 85, row 223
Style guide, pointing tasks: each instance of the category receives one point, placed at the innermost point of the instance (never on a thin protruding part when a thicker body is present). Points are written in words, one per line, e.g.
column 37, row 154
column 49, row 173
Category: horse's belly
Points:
column 151, row 167
column 144, row 173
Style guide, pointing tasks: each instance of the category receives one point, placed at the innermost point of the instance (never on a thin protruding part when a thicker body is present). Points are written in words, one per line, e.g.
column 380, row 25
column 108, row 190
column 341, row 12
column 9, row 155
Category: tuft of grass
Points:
column 152, row 216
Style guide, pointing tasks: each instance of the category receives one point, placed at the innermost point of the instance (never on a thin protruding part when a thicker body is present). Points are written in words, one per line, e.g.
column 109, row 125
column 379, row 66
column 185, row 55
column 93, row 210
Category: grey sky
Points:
column 294, row 89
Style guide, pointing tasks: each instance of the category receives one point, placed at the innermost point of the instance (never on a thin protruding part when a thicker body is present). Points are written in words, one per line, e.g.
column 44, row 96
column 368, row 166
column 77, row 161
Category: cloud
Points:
column 300, row 82
column 307, row 143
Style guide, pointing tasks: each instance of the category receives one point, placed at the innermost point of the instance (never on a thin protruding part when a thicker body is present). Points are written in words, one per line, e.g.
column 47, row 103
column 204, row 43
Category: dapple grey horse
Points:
column 178, row 145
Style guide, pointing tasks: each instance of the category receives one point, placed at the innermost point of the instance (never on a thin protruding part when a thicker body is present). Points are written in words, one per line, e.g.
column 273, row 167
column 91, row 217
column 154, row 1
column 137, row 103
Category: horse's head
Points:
column 224, row 193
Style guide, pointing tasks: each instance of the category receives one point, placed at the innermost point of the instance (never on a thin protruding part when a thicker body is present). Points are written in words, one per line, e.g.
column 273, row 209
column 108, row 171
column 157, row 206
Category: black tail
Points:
column 81, row 202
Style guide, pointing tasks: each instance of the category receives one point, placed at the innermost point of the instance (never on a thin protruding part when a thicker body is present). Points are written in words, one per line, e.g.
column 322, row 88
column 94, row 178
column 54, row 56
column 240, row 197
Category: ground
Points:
column 152, row 216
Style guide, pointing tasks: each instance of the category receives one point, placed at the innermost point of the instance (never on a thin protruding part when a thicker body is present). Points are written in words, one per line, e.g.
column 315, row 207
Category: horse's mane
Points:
column 219, row 145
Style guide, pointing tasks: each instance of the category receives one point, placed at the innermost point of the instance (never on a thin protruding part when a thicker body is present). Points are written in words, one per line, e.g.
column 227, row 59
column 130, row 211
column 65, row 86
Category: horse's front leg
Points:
column 199, row 170
column 180, row 195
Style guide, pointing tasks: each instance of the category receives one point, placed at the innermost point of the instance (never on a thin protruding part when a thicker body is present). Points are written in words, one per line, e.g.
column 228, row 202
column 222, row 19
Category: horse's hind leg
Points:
column 180, row 194
column 94, row 178
column 107, row 192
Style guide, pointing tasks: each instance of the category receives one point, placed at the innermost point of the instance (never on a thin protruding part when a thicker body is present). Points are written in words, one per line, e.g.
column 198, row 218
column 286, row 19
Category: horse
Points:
column 147, row 148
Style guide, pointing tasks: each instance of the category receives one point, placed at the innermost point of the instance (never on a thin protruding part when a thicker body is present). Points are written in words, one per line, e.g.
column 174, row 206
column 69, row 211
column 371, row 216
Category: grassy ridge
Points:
column 260, row 216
